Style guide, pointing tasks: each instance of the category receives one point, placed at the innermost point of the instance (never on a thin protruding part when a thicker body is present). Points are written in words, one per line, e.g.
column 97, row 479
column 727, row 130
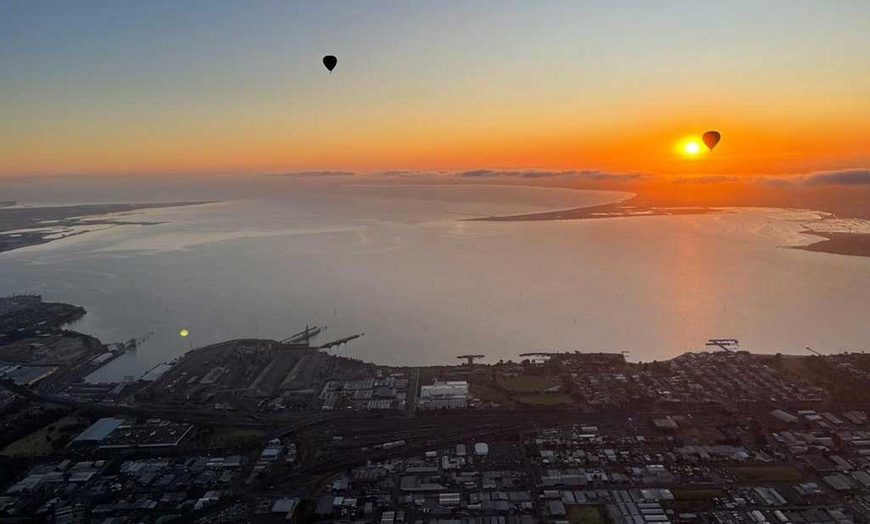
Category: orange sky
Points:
column 108, row 89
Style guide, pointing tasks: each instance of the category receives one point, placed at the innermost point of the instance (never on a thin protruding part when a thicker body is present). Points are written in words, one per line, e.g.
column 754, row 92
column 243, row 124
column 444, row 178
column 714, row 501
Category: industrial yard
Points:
column 252, row 374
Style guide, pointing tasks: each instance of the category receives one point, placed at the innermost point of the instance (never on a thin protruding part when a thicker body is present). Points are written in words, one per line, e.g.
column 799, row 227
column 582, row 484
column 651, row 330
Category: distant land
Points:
column 29, row 226
column 853, row 244
column 626, row 208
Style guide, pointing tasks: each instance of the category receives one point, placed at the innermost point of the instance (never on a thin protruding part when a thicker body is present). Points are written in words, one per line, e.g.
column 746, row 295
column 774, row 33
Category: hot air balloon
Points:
column 330, row 62
column 711, row 138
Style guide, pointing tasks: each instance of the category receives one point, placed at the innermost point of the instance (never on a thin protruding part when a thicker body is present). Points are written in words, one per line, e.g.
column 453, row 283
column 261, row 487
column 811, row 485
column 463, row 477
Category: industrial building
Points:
column 451, row 388
column 99, row 430
column 118, row 433
column 451, row 394
column 25, row 375
column 784, row 416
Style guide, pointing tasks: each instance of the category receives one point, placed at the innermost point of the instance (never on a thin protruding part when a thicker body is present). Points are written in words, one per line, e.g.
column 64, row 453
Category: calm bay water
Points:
column 397, row 263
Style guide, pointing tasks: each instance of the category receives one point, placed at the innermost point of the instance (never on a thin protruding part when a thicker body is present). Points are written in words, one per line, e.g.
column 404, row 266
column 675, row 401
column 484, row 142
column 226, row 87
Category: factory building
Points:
column 452, row 394
column 451, row 388
column 118, row 433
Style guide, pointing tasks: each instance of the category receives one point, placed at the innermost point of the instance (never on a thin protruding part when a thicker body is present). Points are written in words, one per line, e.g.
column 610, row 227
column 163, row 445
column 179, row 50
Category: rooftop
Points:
column 99, row 430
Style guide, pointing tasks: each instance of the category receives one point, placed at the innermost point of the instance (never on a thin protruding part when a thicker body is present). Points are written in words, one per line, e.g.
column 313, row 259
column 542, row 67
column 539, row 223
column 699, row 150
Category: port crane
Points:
column 471, row 358
column 131, row 344
column 340, row 341
column 728, row 344
column 304, row 336
column 813, row 351
column 302, row 340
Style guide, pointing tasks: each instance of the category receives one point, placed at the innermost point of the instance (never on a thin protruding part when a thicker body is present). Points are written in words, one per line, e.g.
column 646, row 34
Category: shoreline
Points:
column 834, row 243
column 630, row 207
column 22, row 227
column 61, row 316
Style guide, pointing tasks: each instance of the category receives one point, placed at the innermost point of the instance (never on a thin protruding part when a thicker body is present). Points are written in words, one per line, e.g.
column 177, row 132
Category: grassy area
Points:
column 46, row 439
column 488, row 394
column 231, row 437
column 699, row 494
column 585, row 514
column 794, row 366
column 532, row 397
column 544, row 399
column 527, row 384
column 842, row 386
column 761, row 474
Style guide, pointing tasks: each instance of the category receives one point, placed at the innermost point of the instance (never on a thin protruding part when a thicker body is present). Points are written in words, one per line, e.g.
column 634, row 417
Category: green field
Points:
column 488, row 394
column 761, row 474
column 45, row 440
column 585, row 514
column 527, row 384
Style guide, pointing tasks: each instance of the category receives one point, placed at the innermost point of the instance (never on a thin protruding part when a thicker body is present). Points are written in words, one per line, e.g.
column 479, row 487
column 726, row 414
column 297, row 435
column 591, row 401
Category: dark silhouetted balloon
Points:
column 330, row 62
column 711, row 138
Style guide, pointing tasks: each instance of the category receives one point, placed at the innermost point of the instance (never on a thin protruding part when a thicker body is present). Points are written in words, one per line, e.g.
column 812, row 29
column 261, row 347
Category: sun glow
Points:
column 691, row 148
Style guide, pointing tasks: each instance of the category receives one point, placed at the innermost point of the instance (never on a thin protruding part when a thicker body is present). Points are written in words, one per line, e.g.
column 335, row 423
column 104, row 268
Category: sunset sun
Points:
column 691, row 148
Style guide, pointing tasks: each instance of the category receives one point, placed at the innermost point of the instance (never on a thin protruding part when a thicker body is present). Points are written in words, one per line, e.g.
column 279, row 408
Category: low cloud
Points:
column 316, row 173
column 480, row 173
column 845, row 177
column 538, row 174
column 401, row 173
column 705, row 179
column 602, row 175
column 777, row 181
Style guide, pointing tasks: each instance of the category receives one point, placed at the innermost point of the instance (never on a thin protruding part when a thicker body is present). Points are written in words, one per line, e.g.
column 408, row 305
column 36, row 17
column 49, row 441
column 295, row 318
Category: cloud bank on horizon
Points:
column 843, row 177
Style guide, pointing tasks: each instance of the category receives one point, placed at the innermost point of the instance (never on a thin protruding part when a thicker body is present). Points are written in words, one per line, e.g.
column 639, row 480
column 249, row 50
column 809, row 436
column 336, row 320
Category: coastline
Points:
column 835, row 243
column 30, row 226
column 23, row 313
column 630, row 207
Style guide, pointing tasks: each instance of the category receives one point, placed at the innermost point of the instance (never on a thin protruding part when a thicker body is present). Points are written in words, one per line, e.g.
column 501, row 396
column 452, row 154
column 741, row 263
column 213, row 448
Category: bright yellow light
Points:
column 691, row 148
column 184, row 332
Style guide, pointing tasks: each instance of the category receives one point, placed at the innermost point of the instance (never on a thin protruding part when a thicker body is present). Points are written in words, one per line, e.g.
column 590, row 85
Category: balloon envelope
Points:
column 711, row 138
column 330, row 62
